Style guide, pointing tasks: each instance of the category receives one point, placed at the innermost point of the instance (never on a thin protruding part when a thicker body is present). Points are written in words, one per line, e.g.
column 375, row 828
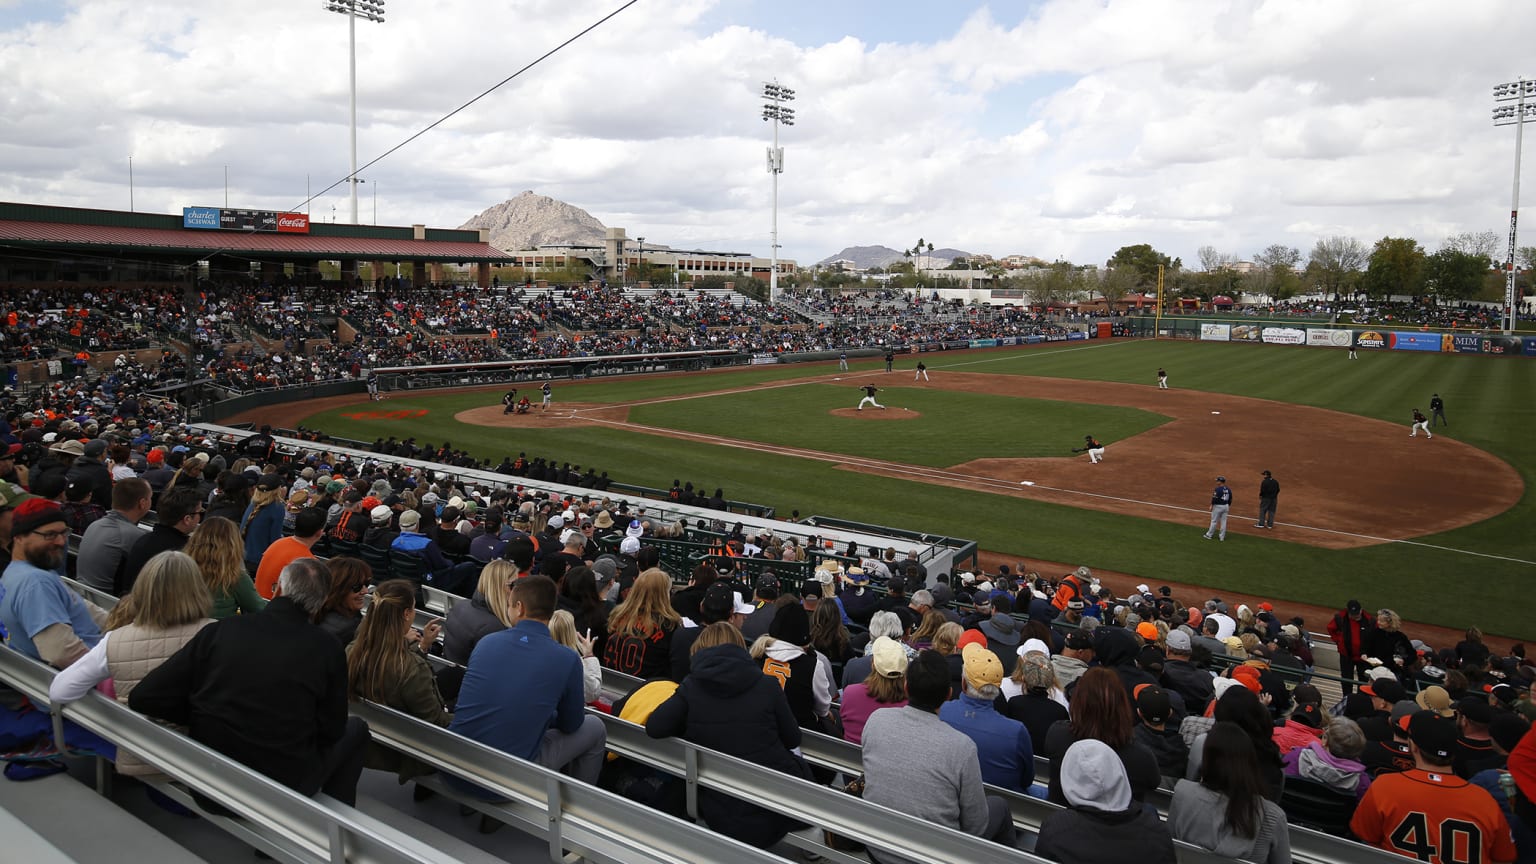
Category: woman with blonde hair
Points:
column 169, row 604
column 387, row 664
column 486, row 612
column 262, row 524
column 217, row 548
column 640, row 629
column 1387, row 645
column 562, row 629
column 928, row 628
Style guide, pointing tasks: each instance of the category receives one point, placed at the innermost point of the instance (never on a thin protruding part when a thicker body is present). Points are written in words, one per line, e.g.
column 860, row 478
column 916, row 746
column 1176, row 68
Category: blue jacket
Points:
column 261, row 530
column 518, row 684
column 1002, row 743
column 422, row 547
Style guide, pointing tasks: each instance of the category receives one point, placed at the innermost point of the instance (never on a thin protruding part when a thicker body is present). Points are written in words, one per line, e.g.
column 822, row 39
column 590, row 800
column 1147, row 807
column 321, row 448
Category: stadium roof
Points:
column 66, row 229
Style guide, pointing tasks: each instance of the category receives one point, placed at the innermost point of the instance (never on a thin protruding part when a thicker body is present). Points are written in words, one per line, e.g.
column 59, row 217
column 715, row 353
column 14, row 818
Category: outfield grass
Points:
column 1488, row 401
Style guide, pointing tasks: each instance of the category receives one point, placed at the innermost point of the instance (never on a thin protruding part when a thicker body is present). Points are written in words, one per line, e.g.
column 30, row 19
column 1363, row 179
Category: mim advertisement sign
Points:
column 261, row 221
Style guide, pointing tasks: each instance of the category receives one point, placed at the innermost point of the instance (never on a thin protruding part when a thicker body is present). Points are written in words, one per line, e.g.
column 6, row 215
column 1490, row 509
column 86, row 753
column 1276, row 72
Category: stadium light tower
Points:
column 372, row 10
column 778, row 111
column 1516, row 115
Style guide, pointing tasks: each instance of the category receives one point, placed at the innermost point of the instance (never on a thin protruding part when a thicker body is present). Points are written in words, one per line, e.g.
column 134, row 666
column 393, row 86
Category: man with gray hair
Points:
column 1002, row 743
column 268, row 690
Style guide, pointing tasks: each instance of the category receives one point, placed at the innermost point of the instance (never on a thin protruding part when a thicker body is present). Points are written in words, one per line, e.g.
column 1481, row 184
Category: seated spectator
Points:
column 79, row 510
column 341, row 612
column 884, row 687
column 487, row 611
column 387, row 664
column 522, row 693
column 578, row 596
column 886, row 624
column 105, row 544
column 412, row 542
column 309, row 527
column 176, row 516
column 727, row 704
column 262, row 525
column 42, row 618
column 1102, row 824
column 1035, row 707
column 640, row 629
column 1074, row 658
column 168, row 606
column 1474, row 747
column 829, row 635
column 1154, row 711
column 806, row 676
column 231, row 500
column 1101, row 709
column 1182, row 675
column 268, row 690
column 220, row 554
column 562, row 629
column 1333, row 761
column 720, row 603
column 1250, row 827
column 1002, row 743
column 944, row 787
column 1239, row 706
column 381, row 531
column 1303, row 727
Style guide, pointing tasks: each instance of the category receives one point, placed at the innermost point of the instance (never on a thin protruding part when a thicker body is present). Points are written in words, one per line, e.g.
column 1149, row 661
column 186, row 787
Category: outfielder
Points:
column 1162, row 378
column 842, row 361
column 922, row 371
column 1221, row 504
column 1092, row 447
column 1420, row 422
column 869, row 397
column 548, row 396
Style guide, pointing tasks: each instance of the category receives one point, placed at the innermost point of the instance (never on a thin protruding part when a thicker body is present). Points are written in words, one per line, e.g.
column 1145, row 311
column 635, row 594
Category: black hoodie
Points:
column 726, row 703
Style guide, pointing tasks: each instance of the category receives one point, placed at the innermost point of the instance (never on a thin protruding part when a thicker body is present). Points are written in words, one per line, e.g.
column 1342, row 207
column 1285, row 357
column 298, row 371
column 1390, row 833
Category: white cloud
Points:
column 1066, row 130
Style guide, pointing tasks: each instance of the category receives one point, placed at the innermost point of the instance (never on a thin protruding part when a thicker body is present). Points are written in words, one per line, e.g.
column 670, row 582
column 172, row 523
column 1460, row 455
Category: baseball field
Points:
column 1439, row 528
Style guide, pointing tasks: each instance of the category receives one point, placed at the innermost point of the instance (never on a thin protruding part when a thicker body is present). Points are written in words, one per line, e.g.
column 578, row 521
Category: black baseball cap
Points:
column 1432, row 733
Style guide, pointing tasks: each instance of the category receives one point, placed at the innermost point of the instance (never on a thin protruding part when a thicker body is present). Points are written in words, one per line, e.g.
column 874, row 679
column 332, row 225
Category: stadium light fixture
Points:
column 1516, row 115
column 777, row 111
column 368, row 10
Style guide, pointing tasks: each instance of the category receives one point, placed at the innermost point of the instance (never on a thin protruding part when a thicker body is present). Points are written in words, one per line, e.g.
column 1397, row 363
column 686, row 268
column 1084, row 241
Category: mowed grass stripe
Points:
column 1488, row 400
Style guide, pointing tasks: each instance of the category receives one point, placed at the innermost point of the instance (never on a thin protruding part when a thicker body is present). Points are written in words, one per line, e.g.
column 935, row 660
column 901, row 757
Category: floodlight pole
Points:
column 778, row 112
column 373, row 10
column 1517, row 90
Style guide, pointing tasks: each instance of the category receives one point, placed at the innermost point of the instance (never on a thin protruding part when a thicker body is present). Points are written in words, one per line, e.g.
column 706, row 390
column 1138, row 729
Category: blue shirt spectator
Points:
column 1002, row 743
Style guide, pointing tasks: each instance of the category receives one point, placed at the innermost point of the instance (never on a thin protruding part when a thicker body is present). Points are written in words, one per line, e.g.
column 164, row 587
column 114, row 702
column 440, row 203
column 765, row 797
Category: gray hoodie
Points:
column 1197, row 815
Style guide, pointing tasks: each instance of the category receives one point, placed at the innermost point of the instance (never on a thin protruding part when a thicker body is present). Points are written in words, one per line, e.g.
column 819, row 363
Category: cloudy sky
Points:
column 1058, row 128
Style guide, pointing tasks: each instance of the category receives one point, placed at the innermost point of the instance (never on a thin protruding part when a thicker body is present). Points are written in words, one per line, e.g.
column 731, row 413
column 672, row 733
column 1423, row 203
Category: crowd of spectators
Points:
column 1121, row 692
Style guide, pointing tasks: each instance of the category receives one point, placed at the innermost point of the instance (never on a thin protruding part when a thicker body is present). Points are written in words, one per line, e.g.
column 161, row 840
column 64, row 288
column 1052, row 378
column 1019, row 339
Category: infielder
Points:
column 1162, row 378
column 869, row 397
column 1420, row 422
column 1221, row 504
column 548, row 396
column 373, row 388
column 1092, row 447
column 922, row 371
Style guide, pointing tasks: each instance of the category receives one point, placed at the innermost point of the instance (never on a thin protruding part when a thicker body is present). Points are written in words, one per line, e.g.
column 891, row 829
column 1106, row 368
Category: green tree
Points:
column 1396, row 267
column 1335, row 264
column 1115, row 285
column 1143, row 261
column 1453, row 275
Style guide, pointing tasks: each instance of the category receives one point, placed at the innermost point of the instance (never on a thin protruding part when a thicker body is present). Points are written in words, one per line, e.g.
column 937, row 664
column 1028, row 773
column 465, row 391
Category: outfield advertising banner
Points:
column 1405, row 341
column 983, row 343
column 1502, row 345
column 1319, row 337
column 1076, row 336
column 1529, row 344
column 1370, row 339
column 1461, row 343
column 1033, row 340
column 1284, row 336
column 1215, row 332
column 764, row 359
column 1246, row 332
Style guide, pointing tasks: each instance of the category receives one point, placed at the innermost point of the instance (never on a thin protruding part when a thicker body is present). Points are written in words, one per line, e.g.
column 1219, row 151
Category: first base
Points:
column 1215, row 412
column 1026, row 482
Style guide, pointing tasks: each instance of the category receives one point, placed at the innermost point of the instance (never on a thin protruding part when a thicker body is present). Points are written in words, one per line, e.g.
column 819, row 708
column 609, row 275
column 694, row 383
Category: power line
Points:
column 439, row 121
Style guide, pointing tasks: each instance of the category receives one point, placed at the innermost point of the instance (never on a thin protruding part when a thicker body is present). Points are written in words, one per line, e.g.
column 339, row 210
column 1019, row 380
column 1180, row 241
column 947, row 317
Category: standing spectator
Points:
column 1002, row 743
column 1429, row 813
column 1101, row 709
column 169, row 605
column 1221, row 505
column 42, row 618
column 1348, row 629
column 884, row 687
column 176, row 516
column 269, row 691
column 1269, row 496
column 1101, row 824
column 1249, row 826
column 727, row 704
column 522, row 692
column 262, row 524
column 216, row 547
column 307, row 531
column 1387, row 645
column 640, row 629
column 945, row 786
column 90, row 469
column 387, row 664
column 105, row 544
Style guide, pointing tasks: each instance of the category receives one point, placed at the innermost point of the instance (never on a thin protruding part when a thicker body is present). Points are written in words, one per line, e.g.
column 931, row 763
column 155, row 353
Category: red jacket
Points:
column 1349, row 634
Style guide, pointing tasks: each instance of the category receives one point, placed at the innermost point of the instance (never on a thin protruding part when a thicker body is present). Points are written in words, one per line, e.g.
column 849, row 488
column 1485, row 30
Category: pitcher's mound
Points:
column 877, row 414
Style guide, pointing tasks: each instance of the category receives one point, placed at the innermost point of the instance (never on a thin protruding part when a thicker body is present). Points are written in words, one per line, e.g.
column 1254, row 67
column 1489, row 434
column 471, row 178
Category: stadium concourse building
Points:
column 43, row 244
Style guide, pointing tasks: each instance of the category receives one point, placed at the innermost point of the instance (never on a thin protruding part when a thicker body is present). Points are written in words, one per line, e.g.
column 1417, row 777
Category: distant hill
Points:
column 865, row 257
column 530, row 220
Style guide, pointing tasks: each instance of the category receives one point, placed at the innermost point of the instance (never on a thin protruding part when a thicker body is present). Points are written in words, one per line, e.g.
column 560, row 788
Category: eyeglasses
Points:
column 52, row 535
column 360, row 588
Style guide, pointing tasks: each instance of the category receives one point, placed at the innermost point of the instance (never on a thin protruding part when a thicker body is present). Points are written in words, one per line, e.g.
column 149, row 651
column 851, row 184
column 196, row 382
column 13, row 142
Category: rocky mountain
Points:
column 865, row 257
column 530, row 220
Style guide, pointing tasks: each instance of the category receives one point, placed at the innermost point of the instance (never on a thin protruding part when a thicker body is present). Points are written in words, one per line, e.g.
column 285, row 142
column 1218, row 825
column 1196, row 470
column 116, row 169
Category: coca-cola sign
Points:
column 257, row 221
column 292, row 223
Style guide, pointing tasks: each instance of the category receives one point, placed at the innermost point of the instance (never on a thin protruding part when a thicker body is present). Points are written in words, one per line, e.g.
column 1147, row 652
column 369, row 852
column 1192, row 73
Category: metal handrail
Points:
column 274, row 816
